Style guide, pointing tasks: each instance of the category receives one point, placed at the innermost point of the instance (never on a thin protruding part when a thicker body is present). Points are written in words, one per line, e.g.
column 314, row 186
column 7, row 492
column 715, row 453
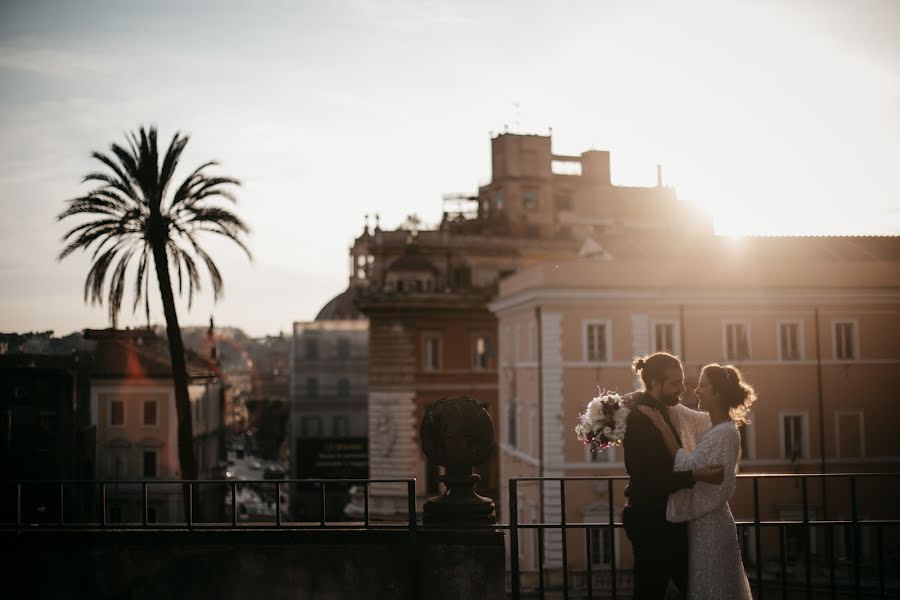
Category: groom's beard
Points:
column 669, row 400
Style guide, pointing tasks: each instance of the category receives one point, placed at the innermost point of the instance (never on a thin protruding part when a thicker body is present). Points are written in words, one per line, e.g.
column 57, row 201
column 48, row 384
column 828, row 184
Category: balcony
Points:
column 60, row 534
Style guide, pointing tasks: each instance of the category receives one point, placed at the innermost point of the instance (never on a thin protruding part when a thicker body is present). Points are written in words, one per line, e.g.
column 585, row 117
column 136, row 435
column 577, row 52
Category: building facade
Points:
column 426, row 291
column 132, row 400
column 811, row 322
column 328, row 396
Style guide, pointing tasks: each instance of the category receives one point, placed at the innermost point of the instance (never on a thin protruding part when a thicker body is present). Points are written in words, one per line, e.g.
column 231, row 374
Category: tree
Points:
column 132, row 220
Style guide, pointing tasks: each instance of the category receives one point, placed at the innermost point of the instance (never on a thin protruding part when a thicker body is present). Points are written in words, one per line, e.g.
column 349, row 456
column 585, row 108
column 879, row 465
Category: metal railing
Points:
column 774, row 569
column 97, row 502
column 792, row 577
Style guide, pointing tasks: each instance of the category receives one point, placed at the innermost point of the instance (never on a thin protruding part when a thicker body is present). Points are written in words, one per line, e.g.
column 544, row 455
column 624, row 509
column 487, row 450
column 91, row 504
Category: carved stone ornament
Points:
column 458, row 434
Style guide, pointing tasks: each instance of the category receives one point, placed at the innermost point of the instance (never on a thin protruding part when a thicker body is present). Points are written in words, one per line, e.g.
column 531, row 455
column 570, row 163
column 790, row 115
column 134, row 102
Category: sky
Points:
column 776, row 117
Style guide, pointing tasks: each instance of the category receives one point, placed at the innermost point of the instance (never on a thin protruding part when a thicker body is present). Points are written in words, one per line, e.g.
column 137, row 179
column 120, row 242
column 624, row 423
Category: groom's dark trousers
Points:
column 660, row 547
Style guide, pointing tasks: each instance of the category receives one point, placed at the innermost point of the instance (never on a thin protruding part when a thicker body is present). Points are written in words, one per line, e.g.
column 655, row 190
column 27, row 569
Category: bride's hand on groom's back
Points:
column 713, row 474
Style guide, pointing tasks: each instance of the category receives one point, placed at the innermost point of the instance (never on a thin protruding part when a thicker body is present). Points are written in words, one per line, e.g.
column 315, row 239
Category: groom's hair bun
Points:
column 654, row 366
column 735, row 393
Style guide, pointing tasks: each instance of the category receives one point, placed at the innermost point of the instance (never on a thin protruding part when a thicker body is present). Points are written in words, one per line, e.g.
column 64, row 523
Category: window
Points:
column 149, row 463
column 530, row 199
column 116, row 413
column 341, row 426
column 481, row 352
column 312, row 348
column 737, row 342
column 844, row 335
column 794, row 436
column 151, row 514
column 849, row 434
column 312, row 387
column 432, row 354
column 498, row 200
column 151, row 413
column 597, row 341
column 600, row 545
column 789, row 336
column 512, row 429
column 115, row 514
column 343, row 388
column 665, row 337
column 343, row 348
column 311, row 426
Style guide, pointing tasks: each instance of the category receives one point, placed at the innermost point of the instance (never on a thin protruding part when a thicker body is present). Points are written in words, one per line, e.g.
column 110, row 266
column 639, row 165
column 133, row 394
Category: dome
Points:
column 340, row 307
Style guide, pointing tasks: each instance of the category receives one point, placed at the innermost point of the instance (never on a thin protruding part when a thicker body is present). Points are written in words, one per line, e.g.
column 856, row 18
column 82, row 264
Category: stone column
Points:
column 460, row 555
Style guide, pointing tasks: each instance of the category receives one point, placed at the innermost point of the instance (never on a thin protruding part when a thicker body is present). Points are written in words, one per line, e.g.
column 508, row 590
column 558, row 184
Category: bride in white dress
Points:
column 714, row 560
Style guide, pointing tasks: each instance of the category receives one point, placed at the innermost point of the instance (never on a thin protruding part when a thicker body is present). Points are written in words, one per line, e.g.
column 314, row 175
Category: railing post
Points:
column 144, row 502
column 856, row 536
column 758, row 538
column 413, row 541
column 322, row 502
column 807, row 565
column 514, row 538
column 234, row 504
column 540, row 531
column 587, row 563
column 278, row 504
column 62, row 493
column 103, row 503
column 564, row 536
column 190, row 515
column 612, row 537
column 366, row 504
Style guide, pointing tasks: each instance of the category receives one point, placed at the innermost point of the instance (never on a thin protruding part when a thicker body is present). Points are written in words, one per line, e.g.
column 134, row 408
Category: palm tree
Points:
column 131, row 220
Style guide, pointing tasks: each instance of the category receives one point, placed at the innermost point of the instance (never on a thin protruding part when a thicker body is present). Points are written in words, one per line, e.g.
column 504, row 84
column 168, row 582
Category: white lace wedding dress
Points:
column 714, row 559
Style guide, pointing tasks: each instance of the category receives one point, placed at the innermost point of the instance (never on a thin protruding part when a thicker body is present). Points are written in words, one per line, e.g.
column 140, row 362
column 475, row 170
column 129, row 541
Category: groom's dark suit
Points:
column 660, row 547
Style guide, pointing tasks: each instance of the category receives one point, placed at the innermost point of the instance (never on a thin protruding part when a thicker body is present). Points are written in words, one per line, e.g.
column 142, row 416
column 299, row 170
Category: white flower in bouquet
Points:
column 603, row 422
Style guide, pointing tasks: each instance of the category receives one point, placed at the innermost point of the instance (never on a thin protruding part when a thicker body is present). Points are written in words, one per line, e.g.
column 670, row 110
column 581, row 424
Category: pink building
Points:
column 812, row 322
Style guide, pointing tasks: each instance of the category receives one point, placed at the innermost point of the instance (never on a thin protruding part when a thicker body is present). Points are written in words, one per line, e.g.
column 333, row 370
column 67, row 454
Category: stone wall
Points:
column 241, row 564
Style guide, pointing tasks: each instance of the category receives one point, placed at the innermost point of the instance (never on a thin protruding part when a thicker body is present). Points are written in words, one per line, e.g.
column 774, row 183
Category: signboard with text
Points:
column 332, row 458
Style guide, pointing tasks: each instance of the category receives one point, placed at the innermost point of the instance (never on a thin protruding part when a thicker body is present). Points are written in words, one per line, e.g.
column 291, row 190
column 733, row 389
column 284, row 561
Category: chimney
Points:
column 659, row 177
column 595, row 166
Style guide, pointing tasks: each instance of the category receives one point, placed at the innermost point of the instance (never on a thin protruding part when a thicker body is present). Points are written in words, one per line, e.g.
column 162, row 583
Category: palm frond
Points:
column 139, row 277
column 176, row 147
column 125, row 208
column 214, row 275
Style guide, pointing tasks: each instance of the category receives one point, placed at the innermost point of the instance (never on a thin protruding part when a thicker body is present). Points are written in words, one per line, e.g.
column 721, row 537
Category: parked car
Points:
column 273, row 472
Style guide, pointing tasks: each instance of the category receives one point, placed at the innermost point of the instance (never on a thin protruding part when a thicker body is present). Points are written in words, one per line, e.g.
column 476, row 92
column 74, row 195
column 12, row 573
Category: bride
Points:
column 714, row 558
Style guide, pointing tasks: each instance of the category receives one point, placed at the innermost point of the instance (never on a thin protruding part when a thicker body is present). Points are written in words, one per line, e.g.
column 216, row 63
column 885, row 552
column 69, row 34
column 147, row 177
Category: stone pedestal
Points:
column 458, row 434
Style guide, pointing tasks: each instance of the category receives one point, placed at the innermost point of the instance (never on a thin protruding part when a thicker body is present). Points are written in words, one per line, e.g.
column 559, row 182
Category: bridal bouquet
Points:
column 603, row 423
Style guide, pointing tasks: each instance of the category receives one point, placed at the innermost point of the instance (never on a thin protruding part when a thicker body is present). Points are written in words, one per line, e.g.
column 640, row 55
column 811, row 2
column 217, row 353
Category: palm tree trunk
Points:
column 179, row 370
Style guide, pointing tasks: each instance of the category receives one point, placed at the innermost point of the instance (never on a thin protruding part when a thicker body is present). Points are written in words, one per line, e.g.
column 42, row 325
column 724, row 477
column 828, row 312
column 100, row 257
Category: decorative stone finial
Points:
column 458, row 434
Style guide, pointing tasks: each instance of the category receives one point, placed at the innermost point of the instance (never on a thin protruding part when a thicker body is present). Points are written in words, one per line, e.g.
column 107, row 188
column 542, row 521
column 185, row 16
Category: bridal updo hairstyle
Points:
column 654, row 367
column 735, row 394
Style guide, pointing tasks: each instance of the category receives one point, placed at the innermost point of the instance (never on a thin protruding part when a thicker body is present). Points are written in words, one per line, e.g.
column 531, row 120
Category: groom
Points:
column 660, row 547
